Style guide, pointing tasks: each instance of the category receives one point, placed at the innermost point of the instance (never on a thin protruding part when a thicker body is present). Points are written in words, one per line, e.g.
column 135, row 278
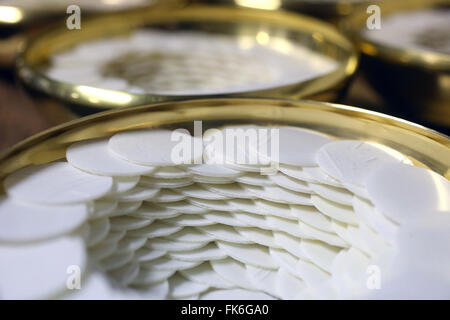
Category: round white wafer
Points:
column 93, row 156
column 56, row 183
column 296, row 146
column 404, row 192
column 353, row 160
column 140, row 147
column 20, row 222
column 47, row 276
column 180, row 287
column 255, row 255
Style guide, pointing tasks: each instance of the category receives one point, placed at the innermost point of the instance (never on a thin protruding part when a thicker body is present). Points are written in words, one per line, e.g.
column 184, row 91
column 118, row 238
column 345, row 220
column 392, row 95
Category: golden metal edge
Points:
column 428, row 147
column 427, row 60
column 320, row 88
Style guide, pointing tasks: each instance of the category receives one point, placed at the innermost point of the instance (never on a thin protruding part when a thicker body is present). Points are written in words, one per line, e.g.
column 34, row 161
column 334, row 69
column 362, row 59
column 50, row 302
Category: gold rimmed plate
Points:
column 413, row 78
column 424, row 146
column 270, row 32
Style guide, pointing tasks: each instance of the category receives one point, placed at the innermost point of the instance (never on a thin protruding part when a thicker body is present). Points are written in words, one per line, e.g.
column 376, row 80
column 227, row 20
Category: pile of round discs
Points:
column 188, row 63
column 314, row 217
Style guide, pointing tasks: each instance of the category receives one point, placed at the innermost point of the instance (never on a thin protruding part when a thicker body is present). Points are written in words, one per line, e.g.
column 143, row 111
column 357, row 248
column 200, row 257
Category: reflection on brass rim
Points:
column 322, row 38
column 426, row 146
column 330, row 10
column 433, row 61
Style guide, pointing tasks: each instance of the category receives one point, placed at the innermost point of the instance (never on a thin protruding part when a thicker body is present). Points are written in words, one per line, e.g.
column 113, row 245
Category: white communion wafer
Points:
column 296, row 146
column 115, row 236
column 263, row 279
column 295, row 172
column 20, row 222
column 168, row 264
column 171, row 245
column 234, row 272
column 255, row 220
column 180, row 287
column 211, row 180
column 386, row 228
column 185, row 207
column 170, row 173
column 290, row 183
column 155, row 230
column 116, row 260
column 124, row 184
column 128, row 223
column 247, row 205
column 208, row 252
column 205, row 274
column 311, row 216
column 353, row 160
column 98, row 230
column 140, row 147
column 130, row 244
column 39, row 270
column 102, row 250
column 235, row 294
column 138, row 193
column 214, row 205
column 145, row 254
column 125, row 275
column 291, row 227
column 187, row 220
column 287, row 286
column 404, row 193
column 275, row 209
column 335, row 194
column 189, row 234
column 224, row 218
column 319, row 253
column 278, row 194
column 255, row 179
column 284, row 259
column 259, row 236
column 327, row 237
column 167, row 195
column 224, row 233
column 230, row 145
column 335, row 210
column 213, row 170
column 125, row 208
column 102, row 208
column 93, row 156
column 289, row 243
column 256, row 255
column 317, row 175
column 157, row 291
column 153, row 211
column 151, row 276
column 56, row 183
column 95, row 286
column 231, row 190
column 316, row 278
column 199, row 191
column 166, row 183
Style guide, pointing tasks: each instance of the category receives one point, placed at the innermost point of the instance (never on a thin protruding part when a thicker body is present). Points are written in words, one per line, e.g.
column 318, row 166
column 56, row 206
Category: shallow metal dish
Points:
column 238, row 22
column 415, row 83
column 20, row 20
column 424, row 146
column 331, row 10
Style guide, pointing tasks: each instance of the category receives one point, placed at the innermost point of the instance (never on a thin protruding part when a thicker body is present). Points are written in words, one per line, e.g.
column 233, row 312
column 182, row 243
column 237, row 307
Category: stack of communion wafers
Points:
column 280, row 212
